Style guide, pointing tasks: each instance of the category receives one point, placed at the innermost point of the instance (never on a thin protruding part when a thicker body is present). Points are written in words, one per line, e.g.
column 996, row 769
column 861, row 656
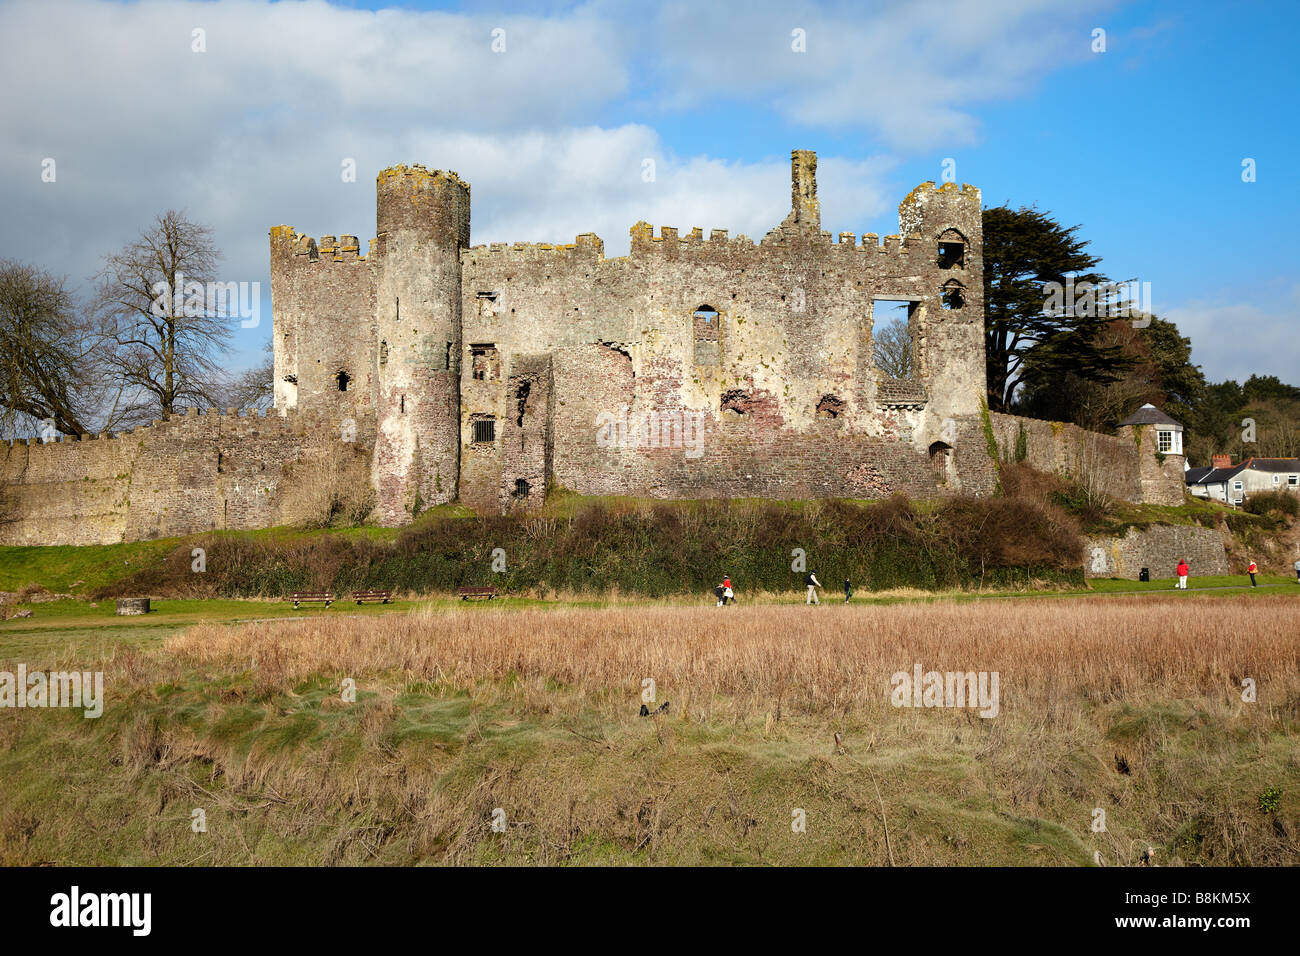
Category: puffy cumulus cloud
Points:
column 906, row 71
column 1237, row 337
column 256, row 128
column 255, row 131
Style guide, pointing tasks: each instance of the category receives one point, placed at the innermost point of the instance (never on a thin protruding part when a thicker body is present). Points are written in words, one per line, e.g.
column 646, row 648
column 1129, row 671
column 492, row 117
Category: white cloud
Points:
column 906, row 71
column 252, row 132
column 1235, row 338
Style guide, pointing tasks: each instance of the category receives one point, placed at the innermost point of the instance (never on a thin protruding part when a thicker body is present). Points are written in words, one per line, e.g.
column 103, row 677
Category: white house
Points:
column 1232, row 484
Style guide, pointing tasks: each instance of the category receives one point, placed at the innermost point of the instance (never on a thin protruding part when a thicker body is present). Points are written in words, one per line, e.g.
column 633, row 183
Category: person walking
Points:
column 1183, row 571
column 848, row 590
column 810, row 579
column 1297, row 571
column 1251, row 571
column 728, row 595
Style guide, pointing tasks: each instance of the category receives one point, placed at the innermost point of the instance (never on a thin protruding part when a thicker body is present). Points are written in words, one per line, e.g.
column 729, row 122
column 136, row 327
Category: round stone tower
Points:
column 422, row 226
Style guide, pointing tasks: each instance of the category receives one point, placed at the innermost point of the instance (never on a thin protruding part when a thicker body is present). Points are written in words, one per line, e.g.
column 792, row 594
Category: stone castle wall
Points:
column 778, row 396
column 495, row 373
column 1158, row 548
column 183, row 475
column 1108, row 461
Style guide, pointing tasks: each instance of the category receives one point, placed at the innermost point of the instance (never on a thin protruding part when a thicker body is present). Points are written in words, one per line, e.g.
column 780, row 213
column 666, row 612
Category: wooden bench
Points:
column 361, row 597
column 487, row 591
column 307, row 597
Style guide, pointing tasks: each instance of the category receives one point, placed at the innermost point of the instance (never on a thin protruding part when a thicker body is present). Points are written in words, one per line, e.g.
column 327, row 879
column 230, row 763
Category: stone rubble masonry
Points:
column 1159, row 548
column 484, row 373
column 1123, row 466
column 179, row 476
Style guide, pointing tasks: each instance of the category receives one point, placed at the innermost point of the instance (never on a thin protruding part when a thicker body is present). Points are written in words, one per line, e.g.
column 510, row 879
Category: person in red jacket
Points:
column 1183, row 571
column 1251, row 571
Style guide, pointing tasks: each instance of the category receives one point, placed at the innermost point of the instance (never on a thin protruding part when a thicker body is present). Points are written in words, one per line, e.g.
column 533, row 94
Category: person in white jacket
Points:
column 813, row 584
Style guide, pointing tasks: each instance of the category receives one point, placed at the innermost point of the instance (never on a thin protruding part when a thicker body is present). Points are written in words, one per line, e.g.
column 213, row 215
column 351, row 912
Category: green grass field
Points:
column 57, row 625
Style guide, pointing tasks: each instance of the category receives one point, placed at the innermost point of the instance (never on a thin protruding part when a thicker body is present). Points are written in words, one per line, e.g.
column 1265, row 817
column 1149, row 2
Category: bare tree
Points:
column 50, row 357
column 893, row 343
column 252, row 388
column 167, row 333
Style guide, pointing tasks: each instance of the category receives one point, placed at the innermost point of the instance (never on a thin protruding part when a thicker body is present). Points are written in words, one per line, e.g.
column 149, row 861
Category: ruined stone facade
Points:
column 1126, row 465
column 692, row 367
column 181, row 475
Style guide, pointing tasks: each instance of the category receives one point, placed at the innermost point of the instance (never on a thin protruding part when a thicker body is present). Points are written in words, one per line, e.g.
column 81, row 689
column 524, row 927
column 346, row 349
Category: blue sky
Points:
column 1142, row 144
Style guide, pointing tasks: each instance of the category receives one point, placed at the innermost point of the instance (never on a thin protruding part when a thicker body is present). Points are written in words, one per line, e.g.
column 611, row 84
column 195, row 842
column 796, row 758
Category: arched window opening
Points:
column 952, row 250
column 738, row 401
column 941, row 462
column 954, row 296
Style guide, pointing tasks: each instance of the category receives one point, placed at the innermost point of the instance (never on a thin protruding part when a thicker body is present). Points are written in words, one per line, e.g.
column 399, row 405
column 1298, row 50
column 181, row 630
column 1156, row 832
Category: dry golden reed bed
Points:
column 1045, row 651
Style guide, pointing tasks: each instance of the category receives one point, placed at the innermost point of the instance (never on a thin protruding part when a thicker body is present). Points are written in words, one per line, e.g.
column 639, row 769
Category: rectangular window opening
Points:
column 893, row 329
column 485, row 362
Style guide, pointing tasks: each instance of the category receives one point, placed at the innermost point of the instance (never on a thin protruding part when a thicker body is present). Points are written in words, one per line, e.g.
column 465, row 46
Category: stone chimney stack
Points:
column 1221, row 461
column 805, row 210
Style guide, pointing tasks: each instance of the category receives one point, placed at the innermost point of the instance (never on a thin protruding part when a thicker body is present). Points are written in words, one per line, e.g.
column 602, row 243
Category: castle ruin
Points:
column 432, row 371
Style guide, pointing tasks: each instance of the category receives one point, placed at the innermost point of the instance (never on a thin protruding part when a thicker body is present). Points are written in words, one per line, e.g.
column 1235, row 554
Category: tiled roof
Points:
column 1148, row 414
column 1273, row 464
column 1213, row 476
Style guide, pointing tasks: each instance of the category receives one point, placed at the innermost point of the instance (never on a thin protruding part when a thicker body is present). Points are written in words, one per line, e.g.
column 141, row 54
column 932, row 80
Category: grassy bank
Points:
column 652, row 549
column 534, row 712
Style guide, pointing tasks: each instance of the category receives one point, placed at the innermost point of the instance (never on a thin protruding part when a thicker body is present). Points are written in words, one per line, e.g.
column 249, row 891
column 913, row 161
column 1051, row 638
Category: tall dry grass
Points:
column 1047, row 652
column 1130, row 704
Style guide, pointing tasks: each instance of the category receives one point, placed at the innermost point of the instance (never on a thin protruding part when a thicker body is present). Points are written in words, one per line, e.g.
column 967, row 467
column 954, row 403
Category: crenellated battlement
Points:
column 966, row 192
column 929, row 210
column 418, row 174
column 585, row 246
column 346, row 248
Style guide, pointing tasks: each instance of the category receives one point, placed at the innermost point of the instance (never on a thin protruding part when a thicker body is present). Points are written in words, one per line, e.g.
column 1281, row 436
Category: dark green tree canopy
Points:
column 1029, row 340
